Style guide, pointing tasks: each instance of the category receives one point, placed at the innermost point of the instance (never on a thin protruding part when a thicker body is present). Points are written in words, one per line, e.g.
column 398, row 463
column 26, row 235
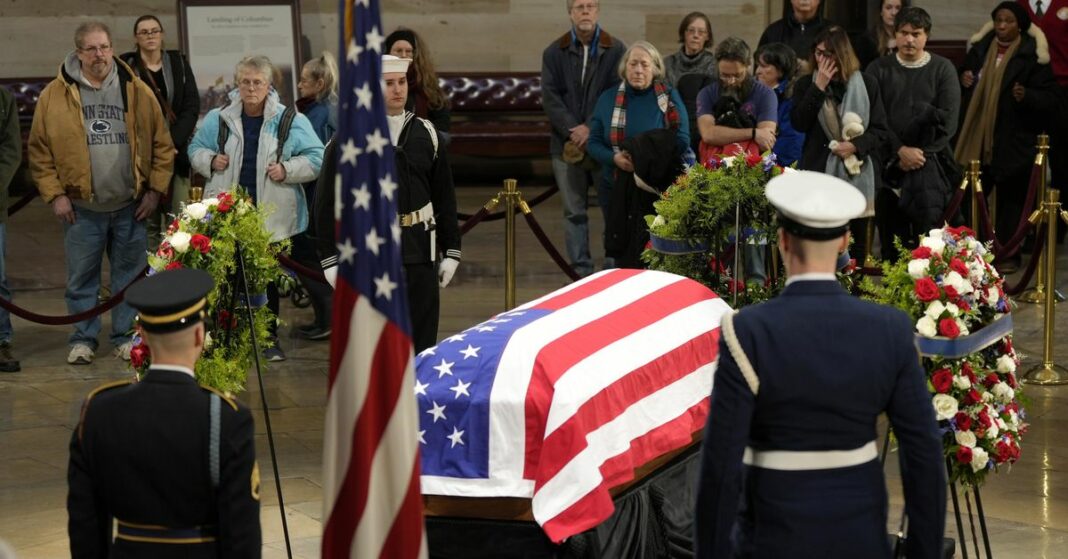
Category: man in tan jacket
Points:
column 103, row 187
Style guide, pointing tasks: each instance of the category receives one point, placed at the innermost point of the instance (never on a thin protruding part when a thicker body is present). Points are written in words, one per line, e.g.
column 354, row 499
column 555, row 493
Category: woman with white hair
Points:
column 267, row 149
column 644, row 115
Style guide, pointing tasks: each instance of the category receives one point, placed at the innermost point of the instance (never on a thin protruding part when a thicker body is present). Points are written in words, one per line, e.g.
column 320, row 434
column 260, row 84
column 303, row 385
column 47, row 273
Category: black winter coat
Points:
column 185, row 102
column 1017, row 122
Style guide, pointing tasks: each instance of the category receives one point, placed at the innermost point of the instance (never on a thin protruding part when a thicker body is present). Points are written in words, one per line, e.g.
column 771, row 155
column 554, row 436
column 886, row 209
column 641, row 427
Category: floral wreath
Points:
column 205, row 235
column 949, row 288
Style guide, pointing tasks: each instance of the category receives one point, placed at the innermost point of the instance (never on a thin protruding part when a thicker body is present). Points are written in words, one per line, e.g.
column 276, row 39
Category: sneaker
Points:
column 80, row 354
column 314, row 332
column 8, row 364
column 274, row 354
column 123, row 351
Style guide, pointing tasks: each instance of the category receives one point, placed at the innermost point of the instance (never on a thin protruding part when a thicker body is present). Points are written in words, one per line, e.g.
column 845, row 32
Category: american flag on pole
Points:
column 371, row 500
column 563, row 398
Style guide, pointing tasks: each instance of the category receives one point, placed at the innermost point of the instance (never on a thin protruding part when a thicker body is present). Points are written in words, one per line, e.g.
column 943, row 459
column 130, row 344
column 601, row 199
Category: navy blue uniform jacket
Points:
column 828, row 365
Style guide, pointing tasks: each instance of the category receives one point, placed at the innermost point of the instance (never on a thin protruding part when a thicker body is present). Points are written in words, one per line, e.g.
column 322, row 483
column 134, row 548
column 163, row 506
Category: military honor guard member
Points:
column 171, row 462
column 789, row 466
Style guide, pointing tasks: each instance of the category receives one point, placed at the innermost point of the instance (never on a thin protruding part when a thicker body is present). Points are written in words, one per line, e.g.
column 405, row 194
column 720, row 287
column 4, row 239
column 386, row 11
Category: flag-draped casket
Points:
column 563, row 398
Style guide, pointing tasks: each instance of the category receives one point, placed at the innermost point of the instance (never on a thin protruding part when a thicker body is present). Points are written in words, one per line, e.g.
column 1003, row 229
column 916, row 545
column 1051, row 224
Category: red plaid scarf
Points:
column 617, row 130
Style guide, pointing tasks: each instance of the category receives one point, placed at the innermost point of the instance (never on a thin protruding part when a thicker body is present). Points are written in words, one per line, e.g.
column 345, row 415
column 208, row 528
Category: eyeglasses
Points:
column 700, row 31
column 585, row 7
column 823, row 52
column 252, row 84
column 149, row 32
column 98, row 50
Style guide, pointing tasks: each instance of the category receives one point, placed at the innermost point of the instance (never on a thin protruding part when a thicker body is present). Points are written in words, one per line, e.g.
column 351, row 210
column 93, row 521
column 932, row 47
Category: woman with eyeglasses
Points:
column 841, row 113
column 238, row 144
column 695, row 55
column 170, row 78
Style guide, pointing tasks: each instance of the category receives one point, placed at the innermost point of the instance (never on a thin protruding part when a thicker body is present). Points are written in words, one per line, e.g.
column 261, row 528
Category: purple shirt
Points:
column 762, row 104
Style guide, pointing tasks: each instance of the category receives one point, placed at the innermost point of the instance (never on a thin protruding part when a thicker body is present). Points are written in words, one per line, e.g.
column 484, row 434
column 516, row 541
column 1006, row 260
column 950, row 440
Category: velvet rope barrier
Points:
column 474, row 220
column 301, row 269
column 22, row 203
column 954, row 205
column 549, row 248
column 72, row 318
column 500, row 215
column 1012, row 246
column 1029, row 272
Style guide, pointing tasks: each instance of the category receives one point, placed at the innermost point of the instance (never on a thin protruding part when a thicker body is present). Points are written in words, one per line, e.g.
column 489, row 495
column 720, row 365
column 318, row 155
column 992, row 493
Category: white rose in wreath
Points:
column 918, row 268
column 961, row 382
column 935, row 310
column 1003, row 392
column 180, row 241
column 935, row 243
column 979, row 459
column 1006, row 364
column 954, row 310
column 196, row 210
column 966, row 438
column 211, row 202
column 926, row 327
column 659, row 221
column 992, row 432
column 945, row 406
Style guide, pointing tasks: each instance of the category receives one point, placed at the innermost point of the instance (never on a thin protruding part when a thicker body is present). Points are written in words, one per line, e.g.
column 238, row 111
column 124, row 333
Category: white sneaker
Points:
column 123, row 351
column 80, row 354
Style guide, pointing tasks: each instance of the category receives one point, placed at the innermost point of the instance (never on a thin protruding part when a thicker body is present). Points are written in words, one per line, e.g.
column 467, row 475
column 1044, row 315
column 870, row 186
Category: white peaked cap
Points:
column 814, row 205
column 393, row 65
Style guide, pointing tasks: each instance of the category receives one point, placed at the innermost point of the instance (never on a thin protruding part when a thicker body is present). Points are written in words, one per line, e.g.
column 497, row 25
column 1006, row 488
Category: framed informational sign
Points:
column 216, row 34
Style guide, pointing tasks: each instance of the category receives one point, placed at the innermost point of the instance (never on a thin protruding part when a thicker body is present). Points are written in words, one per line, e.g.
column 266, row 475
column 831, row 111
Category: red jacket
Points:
column 1054, row 23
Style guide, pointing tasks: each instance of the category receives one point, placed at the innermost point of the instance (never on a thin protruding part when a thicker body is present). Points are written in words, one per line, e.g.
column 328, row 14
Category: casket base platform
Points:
column 653, row 518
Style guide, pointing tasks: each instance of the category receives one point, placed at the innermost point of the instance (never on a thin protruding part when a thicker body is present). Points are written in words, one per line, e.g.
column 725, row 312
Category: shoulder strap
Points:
column 727, row 327
column 214, row 439
column 283, row 131
column 224, row 131
column 433, row 134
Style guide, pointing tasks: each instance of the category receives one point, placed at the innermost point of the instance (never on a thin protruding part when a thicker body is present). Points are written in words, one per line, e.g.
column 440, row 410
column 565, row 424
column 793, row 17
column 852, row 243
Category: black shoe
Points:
column 274, row 354
column 314, row 332
column 8, row 364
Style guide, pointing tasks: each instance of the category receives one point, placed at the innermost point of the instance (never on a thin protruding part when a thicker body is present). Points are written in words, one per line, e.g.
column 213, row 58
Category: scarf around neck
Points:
column 854, row 99
column 618, row 129
column 977, row 133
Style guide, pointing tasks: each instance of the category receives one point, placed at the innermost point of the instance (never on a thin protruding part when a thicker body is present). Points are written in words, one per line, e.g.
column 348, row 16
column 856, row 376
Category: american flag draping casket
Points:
column 564, row 397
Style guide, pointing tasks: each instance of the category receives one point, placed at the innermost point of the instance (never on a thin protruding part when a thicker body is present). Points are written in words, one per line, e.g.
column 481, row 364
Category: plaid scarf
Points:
column 617, row 130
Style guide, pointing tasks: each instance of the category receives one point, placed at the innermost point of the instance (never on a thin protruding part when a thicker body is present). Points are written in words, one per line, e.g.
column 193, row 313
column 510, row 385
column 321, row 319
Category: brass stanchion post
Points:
column 869, row 240
column 977, row 188
column 1049, row 372
column 510, row 196
column 196, row 193
column 1037, row 294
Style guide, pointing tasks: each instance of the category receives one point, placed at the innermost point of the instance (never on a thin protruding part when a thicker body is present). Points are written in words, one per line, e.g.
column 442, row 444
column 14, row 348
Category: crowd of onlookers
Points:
column 877, row 109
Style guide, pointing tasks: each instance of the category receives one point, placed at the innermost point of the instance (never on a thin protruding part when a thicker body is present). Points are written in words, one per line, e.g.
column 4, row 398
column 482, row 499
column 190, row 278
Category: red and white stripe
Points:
column 372, row 503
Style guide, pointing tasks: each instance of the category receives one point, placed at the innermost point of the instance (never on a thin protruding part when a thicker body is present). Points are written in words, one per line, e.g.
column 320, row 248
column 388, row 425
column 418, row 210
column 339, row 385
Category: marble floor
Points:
column 1026, row 508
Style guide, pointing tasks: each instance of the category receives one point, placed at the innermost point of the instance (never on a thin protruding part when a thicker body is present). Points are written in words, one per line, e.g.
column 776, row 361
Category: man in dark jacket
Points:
column 10, row 158
column 798, row 29
column 921, row 95
column 576, row 68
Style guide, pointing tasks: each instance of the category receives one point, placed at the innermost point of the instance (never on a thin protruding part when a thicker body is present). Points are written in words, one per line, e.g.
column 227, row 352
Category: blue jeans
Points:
column 123, row 239
column 5, row 317
column 571, row 179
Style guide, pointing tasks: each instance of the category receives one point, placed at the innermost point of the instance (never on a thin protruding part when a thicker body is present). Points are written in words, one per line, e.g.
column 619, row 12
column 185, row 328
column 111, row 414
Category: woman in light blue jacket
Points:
column 249, row 156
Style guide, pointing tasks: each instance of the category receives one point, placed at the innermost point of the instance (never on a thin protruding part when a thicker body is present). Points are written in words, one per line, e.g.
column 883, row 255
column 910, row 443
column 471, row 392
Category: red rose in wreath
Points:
column 948, row 327
column 201, row 243
column 927, row 290
column 963, row 421
column 942, row 379
column 921, row 253
column 964, row 455
column 173, row 266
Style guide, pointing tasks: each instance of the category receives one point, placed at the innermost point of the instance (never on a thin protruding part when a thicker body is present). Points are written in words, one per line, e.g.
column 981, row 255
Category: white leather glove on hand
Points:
column 331, row 276
column 446, row 270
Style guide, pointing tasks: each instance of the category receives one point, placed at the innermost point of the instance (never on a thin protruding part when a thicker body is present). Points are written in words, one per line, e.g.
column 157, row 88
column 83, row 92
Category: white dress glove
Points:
column 446, row 270
column 331, row 275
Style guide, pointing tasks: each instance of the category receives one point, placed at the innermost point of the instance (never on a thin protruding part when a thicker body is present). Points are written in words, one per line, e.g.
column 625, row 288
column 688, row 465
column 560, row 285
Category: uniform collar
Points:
column 812, row 276
column 814, row 287
column 169, row 374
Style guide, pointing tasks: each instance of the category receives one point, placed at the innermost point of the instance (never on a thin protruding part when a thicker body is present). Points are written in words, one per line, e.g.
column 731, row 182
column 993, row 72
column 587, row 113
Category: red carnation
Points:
column 173, row 226
column 921, row 252
column 753, row 159
column 990, row 380
column 1010, row 379
column 942, row 379
column 201, row 243
column 173, row 266
column 1006, row 345
column 165, row 250
column 963, row 305
column 984, row 419
column 227, row 320
column 948, row 327
column 1002, row 452
column 964, row 455
column 972, row 397
column 225, row 203
column 966, row 370
column 958, row 266
column 958, row 232
column 648, row 244
column 951, row 292
column 963, row 421
column 927, row 290
column 139, row 354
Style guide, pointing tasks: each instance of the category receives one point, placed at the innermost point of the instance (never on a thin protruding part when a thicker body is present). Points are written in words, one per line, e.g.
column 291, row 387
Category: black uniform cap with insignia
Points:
column 170, row 300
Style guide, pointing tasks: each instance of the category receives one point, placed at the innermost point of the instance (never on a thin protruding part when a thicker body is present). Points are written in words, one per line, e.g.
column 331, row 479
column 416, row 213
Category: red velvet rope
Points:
column 472, row 221
column 1029, row 272
column 549, row 248
column 72, row 318
column 301, row 269
column 1012, row 246
column 954, row 205
column 500, row 215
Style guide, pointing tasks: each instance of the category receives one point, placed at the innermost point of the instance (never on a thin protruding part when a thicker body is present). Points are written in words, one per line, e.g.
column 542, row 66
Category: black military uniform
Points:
column 427, row 206
column 173, row 463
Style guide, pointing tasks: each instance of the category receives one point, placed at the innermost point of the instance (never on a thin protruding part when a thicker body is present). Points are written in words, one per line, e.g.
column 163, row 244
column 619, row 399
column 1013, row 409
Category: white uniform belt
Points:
column 422, row 215
column 799, row 460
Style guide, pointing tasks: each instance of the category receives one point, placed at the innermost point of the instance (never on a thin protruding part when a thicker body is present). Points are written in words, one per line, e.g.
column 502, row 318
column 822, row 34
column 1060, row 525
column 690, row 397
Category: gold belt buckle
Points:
column 406, row 220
